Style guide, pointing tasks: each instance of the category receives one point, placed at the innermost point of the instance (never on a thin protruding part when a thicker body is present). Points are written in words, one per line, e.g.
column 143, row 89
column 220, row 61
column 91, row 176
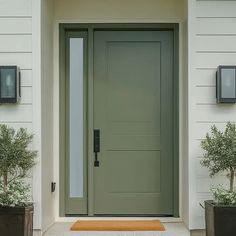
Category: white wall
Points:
column 18, row 27
column 47, row 112
column 212, row 37
column 128, row 11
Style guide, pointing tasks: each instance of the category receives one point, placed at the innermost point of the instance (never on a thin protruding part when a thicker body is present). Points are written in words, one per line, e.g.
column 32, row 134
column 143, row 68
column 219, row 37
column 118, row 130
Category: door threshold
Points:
column 162, row 219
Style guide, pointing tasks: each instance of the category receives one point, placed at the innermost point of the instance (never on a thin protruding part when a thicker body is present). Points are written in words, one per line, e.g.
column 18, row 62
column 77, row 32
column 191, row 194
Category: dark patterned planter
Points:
column 220, row 220
column 16, row 221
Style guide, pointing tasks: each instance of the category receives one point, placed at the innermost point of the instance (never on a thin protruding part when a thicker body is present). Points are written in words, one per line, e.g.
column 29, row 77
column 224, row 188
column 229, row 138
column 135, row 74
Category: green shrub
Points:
column 220, row 157
column 16, row 160
column 224, row 196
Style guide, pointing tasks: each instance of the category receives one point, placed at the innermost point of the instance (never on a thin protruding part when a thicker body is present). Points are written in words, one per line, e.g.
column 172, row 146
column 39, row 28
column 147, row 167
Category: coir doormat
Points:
column 117, row 225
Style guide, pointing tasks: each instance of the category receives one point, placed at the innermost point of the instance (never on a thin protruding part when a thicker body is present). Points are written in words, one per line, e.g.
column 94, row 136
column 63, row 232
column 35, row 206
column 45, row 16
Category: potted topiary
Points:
column 16, row 208
column 220, row 157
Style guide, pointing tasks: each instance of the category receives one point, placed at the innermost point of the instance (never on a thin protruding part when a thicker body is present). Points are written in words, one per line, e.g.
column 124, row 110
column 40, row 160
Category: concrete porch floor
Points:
column 63, row 229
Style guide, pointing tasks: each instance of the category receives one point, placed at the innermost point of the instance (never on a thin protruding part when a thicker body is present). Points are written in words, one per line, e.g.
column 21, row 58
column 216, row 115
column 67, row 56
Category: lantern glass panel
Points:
column 8, row 83
column 228, row 83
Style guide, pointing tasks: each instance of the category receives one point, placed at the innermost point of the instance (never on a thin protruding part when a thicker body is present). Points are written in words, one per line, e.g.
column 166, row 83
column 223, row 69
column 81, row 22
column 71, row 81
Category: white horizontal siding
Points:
column 16, row 34
column 215, row 113
column 26, row 77
column 219, row 26
column 23, row 60
column 205, row 77
column 15, row 113
column 213, row 43
column 15, row 25
column 16, row 49
column 15, row 8
column 216, row 8
column 219, row 43
column 212, row 60
column 26, row 95
column 208, row 95
column 15, row 43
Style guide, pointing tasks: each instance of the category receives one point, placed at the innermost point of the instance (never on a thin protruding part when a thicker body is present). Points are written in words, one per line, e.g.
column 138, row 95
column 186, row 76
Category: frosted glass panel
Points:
column 228, row 83
column 76, row 117
column 8, row 83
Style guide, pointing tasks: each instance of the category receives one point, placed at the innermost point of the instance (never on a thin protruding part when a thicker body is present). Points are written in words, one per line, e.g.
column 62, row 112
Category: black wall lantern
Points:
column 9, row 84
column 226, row 84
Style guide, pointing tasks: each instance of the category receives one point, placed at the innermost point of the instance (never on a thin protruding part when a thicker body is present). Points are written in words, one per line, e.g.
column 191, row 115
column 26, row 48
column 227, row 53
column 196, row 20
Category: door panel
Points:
column 133, row 106
column 139, row 175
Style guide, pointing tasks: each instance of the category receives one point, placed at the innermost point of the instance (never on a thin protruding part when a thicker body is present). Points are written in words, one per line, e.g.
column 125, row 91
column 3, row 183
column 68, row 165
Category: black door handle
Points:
column 96, row 145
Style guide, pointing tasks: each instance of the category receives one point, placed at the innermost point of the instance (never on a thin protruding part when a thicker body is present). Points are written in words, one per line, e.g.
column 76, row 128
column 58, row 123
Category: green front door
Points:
column 133, row 109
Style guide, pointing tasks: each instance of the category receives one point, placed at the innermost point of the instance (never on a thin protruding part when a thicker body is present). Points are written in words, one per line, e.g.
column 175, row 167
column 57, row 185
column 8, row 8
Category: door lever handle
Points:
column 96, row 145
